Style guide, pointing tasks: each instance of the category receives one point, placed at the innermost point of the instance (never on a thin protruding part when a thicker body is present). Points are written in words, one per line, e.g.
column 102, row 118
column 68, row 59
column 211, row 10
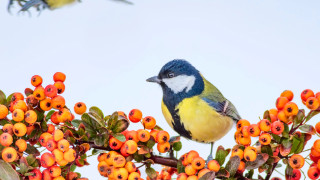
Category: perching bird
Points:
column 51, row 4
column 192, row 106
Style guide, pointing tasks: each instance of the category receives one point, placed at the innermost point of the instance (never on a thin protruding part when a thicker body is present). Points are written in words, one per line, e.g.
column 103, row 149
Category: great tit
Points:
column 192, row 106
column 51, row 4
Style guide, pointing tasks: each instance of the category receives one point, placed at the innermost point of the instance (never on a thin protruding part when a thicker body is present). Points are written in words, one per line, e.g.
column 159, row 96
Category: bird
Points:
column 51, row 4
column 192, row 106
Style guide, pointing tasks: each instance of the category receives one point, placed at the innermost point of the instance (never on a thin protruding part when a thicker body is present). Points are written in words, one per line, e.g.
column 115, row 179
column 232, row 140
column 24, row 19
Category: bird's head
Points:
column 179, row 78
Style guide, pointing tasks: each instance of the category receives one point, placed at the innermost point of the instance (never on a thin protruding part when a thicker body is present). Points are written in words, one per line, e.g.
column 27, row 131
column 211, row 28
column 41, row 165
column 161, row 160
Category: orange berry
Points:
column 134, row 176
column 265, row 139
column 312, row 103
column 291, row 109
column 3, row 111
column 184, row 160
column 55, row 171
column 306, row 94
column 245, row 131
column 63, row 145
column 241, row 123
column 18, row 115
column 36, row 80
column 46, row 104
column 265, row 125
column 21, row 144
column 44, row 138
column 103, row 168
column 59, row 76
column 313, row 172
column 154, row 133
column 51, row 128
column 69, row 155
column 244, row 140
column 296, row 161
column 9, row 154
column 54, row 118
column 121, row 174
column 143, row 135
column 50, row 91
column 236, row 151
column 60, row 178
column 316, row 145
column 250, row 153
column 149, row 122
column 288, row 94
column 193, row 177
column 30, row 128
column 198, row 163
column 102, row 157
column 135, row 115
column 254, row 130
column 17, row 96
column 277, row 127
column 47, row 160
column 57, row 135
column 19, row 129
column 39, row 93
column 314, row 152
column 80, row 108
column 64, row 115
column 190, row 170
column 203, row 172
column 58, row 102
column 182, row 176
column 213, row 165
column 132, row 135
column 317, row 127
column 58, row 155
column 60, row 87
column 191, row 155
column 63, row 162
column 35, row 175
column 114, row 143
column 110, row 156
column 6, row 139
column 46, row 175
column 131, row 167
column 131, row 146
column 119, row 161
column 283, row 117
column 51, row 145
column 162, row 137
column 30, row 116
column 163, row 147
column 8, row 128
column 281, row 102
column 242, row 167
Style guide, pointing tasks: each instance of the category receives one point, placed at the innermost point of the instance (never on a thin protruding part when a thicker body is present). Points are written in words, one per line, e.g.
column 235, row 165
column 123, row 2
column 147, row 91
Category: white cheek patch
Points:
column 179, row 83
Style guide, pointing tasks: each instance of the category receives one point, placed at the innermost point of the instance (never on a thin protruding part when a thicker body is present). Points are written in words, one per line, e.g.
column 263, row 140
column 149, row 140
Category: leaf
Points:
column 260, row 160
column 266, row 115
column 138, row 157
column 180, row 167
column 44, row 125
column 31, row 159
column 8, row 101
column 223, row 173
column 308, row 129
column 311, row 114
column 120, row 126
column 49, row 114
column 285, row 147
column 151, row 143
column 86, row 118
column 99, row 140
column 120, row 137
column 112, row 120
column 7, row 172
column 76, row 123
column 97, row 111
column 267, row 149
column 221, row 155
column 233, row 165
column 98, row 121
column 285, row 132
column 276, row 137
column 289, row 170
column 177, row 146
column 73, row 168
column 250, row 174
column 299, row 117
column 151, row 173
column 3, row 99
column 32, row 150
column 174, row 139
column 28, row 92
column 158, row 128
column 208, row 176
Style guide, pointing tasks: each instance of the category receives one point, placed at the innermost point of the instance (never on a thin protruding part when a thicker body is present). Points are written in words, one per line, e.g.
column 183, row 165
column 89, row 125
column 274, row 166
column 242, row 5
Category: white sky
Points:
column 251, row 50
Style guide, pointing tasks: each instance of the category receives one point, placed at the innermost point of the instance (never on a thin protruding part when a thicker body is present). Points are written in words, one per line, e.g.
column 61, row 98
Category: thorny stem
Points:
column 270, row 173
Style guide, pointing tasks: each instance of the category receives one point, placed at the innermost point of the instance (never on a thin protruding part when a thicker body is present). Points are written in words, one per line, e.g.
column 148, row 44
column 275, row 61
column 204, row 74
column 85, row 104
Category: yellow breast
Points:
column 204, row 123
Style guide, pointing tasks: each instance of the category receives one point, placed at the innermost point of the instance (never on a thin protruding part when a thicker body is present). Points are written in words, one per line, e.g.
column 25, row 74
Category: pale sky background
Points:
column 251, row 50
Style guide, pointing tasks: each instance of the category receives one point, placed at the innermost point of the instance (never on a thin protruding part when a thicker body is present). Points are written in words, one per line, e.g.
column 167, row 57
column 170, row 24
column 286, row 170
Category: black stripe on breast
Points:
column 178, row 125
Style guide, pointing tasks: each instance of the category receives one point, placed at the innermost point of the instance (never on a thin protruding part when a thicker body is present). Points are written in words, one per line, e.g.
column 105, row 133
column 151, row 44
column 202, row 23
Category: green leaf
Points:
column 44, row 126
column 49, row 114
column 221, row 155
column 96, row 152
column 3, row 99
column 120, row 137
column 285, row 147
column 151, row 143
column 308, row 129
column 73, row 168
column 151, row 173
column 112, row 120
column 97, row 111
column 7, row 172
column 249, row 174
column 120, row 126
column 177, row 146
column 180, row 167
column 32, row 150
column 223, row 173
column 28, row 92
column 267, row 149
column 40, row 115
column 76, row 123
column 9, row 99
column 285, row 132
column 289, row 170
column 23, row 168
column 31, row 159
column 311, row 114
column 208, row 175
column 276, row 138
column 299, row 117
column 158, row 128
column 260, row 160
column 99, row 140
column 233, row 165
column 138, row 157
column 266, row 115
column 86, row 118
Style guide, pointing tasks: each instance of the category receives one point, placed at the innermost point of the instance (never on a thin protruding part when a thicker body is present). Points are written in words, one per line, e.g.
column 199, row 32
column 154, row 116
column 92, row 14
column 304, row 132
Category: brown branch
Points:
column 166, row 161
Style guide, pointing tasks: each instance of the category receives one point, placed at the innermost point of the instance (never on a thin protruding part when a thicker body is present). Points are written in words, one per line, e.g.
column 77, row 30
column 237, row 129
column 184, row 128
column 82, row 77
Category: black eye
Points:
column 170, row 75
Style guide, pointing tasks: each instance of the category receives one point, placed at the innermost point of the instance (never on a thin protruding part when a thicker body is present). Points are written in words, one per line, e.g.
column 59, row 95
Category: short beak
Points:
column 154, row 79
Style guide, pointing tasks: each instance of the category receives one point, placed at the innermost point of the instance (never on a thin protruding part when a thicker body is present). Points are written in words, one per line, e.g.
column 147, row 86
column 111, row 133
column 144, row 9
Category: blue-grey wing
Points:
column 225, row 108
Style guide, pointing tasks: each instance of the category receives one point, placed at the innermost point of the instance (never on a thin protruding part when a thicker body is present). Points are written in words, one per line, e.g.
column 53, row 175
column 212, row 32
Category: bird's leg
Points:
column 210, row 157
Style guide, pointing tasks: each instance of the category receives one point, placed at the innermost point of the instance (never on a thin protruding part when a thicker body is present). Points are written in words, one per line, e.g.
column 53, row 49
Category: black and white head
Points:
column 179, row 79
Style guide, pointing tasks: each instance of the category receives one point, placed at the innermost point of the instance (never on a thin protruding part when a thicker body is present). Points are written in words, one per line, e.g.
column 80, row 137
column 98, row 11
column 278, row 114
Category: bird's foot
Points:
column 209, row 158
